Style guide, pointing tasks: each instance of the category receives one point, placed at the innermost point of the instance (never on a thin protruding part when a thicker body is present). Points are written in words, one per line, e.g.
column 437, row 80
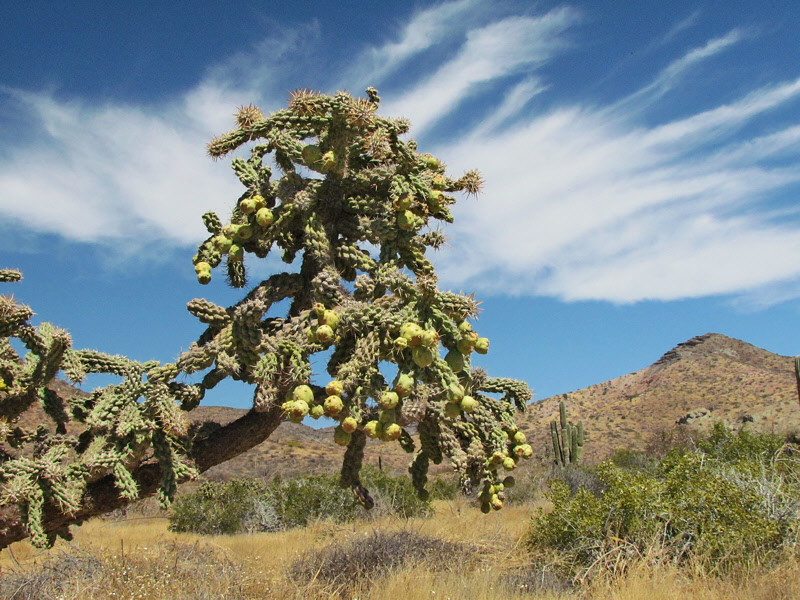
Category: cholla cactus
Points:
column 353, row 204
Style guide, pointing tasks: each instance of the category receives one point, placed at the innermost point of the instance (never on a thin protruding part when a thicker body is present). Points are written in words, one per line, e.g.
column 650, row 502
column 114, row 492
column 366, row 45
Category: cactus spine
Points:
column 567, row 439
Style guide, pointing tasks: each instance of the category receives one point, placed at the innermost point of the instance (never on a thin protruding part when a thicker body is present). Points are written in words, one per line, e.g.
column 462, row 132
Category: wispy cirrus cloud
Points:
column 583, row 201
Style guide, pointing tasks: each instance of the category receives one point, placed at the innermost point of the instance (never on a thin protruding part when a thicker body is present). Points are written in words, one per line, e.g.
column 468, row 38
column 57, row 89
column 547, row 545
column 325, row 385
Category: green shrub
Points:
column 299, row 500
column 218, row 508
column 730, row 503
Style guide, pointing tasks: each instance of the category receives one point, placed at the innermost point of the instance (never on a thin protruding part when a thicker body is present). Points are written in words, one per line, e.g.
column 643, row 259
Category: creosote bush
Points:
column 341, row 194
column 732, row 503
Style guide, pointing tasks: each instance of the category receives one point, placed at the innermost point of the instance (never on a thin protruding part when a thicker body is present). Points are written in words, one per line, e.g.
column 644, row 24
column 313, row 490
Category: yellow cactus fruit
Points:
column 519, row 438
column 319, row 309
column 247, row 206
column 423, row 356
column 324, row 334
column 243, row 232
column 299, row 409
column 429, row 338
column 509, row 464
column 223, row 243
column 334, row 388
column 465, row 346
column 201, row 267
column 401, row 343
column 311, row 154
column 341, row 437
column 452, row 411
column 304, row 393
column 435, row 201
column 468, row 404
column 328, row 161
column 264, row 217
column 404, row 385
column 392, row 432
column 389, row 400
column 408, row 221
column 496, row 502
column 464, row 326
column 3, row 385
column 258, row 201
column 373, row 429
column 523, row 450
column 349, row 424
column 235, row 253
column 439, row 182
column 404, row 202
column 329, row 318
column 317, row 411
column 482, row 345
column 413, row 333
column 430, row 161
column 333, row 405
column 455, row 360
column 455, row 393
column 204, row 277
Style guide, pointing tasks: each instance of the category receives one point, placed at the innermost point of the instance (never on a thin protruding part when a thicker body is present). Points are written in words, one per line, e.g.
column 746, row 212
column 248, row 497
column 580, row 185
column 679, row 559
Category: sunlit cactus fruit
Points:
column 264, row 217
column 465, row 345
column 404, row 385
column 299, row 409
column 509, row 464
column 349, row 424
column 496, row 502
column 373, row 429
column 333, row 405
column 329, row 318
column 392, row 432
column 404, row 202
column 388, row 399
column 317, row 411
column 400, row 343
column 523, row 450
column 247, row 206
column 328, row 161
column 408, row 221
column 413, row 333
column 482, row 345
column 204, row 277
column 342, row 437
column 519, row 438
column 423, row 356
column 468, row 404
column 202, row 266
column 431, row 162
column 455, row 393
column 223, row 243
column 324, row 334
column 303, row 393
column 235, row 253
column 3, row 385
column 334, row 388
column 429, row 338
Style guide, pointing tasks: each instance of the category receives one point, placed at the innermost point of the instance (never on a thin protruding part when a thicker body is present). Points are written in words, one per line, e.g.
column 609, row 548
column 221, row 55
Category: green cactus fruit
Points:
column 328, row 161
column 329, row 318
column 509, row 464
column 435, row 201
column 341, row 437
column 258, row 201
column 204, row 277
column 404, row 202
column 389, row 399
column 486, row 508
column 400, row 343
column 349, row 424
column 468, row 404
column 299, row 409
column 455, row 393
column 304, row 393
column 452, row 411
column 464, row 326
column 509, row 482
column 523, row 450
column 482, row 345
column 201, row 267
column 317, row 411
column 247, row 206
column 439, row 182
column 465, row 346
column 429, row 338
column 519, row 438
column 413, row 333
column 455, row 360
column 264, row 217
column 222, row 243
column 373, row 429
column 235, row 253
column 243, row 232
column 423, row 356
column 404, row 385
column 333, row 405
column 392, row 432
column 430, row 162
column 324, row 334
column 386, row 417
column 407, row 220
column 311, row 155
column 334, row 388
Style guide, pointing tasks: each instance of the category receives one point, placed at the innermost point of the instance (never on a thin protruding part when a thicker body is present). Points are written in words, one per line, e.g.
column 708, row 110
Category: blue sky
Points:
column 642, row 163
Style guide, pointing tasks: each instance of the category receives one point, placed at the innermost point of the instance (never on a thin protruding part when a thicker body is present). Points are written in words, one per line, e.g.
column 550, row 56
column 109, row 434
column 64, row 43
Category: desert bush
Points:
column 729, row 504
column 52, row 579
column 353, row 563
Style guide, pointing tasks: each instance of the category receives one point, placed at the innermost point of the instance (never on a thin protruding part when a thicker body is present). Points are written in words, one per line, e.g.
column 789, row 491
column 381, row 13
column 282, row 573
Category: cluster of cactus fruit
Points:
column 353, row 203
column 567, row 439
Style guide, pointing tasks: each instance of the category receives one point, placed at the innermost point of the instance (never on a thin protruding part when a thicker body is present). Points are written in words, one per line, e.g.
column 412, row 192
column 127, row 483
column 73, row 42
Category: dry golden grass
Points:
column 140, row 558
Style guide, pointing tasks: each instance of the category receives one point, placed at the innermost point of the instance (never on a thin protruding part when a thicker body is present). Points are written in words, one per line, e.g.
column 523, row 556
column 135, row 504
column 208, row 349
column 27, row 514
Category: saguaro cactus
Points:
column 353, row 204
column 567, row 439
